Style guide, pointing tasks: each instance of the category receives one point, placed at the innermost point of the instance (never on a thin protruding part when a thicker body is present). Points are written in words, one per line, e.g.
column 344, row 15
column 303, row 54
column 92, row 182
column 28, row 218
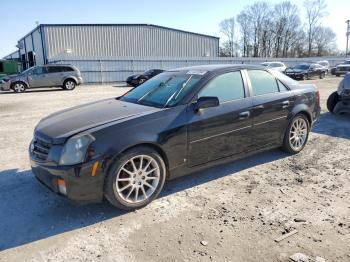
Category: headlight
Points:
column 74, row 150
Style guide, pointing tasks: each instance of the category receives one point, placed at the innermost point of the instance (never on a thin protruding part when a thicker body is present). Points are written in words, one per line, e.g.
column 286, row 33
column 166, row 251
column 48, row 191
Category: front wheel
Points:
column 322, row 75
column 296, row 134
column 19, row 87
column 135, row 179
column 69, row 84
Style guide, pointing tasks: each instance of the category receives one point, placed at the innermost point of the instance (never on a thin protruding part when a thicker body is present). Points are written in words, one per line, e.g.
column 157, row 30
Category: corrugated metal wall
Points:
column 105, row 70
column 81, row 41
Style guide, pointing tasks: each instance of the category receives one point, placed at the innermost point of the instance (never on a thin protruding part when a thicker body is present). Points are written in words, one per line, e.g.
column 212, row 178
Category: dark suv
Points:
column 306, row 71
column 65, row 76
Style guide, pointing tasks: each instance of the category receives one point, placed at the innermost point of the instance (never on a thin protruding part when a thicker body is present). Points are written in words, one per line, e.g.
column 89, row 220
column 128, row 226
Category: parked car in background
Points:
column 65, row 76
column 342, row 69
column 325, row 64
column 181, row 121
column 339, row 102
column 279, row 66
column 138, row 79
column 306, row 71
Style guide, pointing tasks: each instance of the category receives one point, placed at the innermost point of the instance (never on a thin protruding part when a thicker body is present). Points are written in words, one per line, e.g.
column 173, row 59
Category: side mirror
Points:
column 206, row 102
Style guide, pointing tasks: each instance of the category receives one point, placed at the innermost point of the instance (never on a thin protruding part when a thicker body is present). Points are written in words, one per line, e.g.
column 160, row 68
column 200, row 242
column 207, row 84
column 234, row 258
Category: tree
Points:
column 315, row 11
column 244, row 23
column 324, row 40
column 227, row 28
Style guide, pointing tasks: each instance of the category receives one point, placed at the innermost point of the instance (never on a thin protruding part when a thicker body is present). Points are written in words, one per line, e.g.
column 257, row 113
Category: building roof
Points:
column 131, row 25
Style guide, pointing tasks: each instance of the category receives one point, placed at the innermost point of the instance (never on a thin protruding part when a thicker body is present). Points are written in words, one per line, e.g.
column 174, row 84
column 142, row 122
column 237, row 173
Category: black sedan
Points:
column 176, row 123
column 306, row 71
column 138, row 79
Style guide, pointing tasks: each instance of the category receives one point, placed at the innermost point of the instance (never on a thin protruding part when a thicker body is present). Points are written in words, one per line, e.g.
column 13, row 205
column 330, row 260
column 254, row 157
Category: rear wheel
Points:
column 135, row 179
column 296, row 134
column 332, row 101
column 19, row 87
column 69, row 84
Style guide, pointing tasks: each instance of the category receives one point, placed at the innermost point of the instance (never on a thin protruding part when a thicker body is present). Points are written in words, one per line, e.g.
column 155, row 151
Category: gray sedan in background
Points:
column 65, row 76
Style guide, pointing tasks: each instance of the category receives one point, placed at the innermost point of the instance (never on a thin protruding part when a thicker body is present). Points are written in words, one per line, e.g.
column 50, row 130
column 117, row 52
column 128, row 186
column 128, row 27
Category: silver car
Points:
column 65, row 76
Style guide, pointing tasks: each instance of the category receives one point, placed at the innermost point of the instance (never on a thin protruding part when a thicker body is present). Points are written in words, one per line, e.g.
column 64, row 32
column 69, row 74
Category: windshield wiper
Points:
column 161, row 84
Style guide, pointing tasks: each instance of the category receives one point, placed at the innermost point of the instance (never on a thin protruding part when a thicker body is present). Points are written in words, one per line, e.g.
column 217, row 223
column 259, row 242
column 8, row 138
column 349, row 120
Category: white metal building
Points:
column 49, row 43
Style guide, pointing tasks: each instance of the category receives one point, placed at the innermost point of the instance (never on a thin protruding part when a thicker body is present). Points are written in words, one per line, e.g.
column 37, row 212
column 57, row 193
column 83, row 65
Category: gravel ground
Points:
column 231, row 212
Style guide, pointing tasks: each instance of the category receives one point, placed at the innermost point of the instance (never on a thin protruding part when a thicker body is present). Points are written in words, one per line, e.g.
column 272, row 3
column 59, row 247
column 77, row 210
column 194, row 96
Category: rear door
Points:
column 55, row 74
column 221, row 131
column 272, row 102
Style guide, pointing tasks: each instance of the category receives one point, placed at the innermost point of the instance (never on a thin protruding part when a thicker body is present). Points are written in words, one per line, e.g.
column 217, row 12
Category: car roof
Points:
column 218, row 67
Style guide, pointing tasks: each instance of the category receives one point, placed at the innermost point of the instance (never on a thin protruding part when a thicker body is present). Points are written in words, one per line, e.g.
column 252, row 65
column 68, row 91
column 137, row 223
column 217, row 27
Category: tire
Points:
column 337, row 75
column 301, row 133
column 19, row 87
column 129, row 187
column 322, row 75
column 332, row 101
column 69, row 84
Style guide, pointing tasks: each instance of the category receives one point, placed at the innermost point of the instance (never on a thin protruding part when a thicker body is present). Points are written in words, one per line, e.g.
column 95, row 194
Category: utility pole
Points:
column 347, row 38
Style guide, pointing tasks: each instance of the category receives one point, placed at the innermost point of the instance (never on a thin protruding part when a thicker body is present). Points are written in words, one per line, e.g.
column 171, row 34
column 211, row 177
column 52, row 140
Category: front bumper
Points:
column 296, row 76
column 5, row 86
column 80, row 185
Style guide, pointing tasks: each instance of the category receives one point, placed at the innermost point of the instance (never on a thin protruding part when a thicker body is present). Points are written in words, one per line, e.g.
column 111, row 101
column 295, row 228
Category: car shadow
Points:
column 41, row 90
column 333, row 125
column 30, row 212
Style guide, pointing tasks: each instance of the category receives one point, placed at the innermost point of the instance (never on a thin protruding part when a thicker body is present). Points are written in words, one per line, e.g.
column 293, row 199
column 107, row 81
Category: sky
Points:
column 18, row 17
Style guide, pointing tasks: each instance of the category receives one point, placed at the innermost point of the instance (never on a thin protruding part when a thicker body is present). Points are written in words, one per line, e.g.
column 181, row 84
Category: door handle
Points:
column 244, row 115
column 259, row 107
column 285, row 104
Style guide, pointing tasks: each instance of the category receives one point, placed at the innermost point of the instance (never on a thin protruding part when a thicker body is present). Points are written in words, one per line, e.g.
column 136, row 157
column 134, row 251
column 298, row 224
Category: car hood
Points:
column 59, row 126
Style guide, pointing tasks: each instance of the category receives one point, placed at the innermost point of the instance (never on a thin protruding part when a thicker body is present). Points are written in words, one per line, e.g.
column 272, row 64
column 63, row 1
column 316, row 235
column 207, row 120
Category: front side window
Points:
column 262, row 82
column 163, row 90
column 225, row 87
column 39, row 70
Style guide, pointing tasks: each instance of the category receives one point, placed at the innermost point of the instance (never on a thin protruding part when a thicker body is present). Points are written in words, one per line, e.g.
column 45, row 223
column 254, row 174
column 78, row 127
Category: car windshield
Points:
column 283, row 78
column 163, row 90
column 28, row 70
column 303, row 67
column 148, row 72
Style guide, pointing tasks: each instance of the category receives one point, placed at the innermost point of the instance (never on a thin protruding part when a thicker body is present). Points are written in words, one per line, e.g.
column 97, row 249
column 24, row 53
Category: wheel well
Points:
column 70, row 78
column 150, row 145
column 308, row 116
column 12, row 85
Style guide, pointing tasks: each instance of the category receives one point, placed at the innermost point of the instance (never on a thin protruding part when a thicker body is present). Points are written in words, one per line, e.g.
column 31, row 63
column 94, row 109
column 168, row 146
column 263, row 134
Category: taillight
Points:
column 317, row 95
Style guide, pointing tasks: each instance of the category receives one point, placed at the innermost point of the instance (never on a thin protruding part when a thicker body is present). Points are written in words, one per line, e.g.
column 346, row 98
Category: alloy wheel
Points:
column 19, row 87
column 69, row 85
column 138, row 179
column 298, row 133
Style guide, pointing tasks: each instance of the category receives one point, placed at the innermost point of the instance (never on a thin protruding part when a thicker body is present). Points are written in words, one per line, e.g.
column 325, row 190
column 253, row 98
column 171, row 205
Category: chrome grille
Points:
column 41, row 148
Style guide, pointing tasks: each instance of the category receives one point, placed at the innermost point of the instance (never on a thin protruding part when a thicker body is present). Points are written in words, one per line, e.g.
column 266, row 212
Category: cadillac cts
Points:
column 178, row 122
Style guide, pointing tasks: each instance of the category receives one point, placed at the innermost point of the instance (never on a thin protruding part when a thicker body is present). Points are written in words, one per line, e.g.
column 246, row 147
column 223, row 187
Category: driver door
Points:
column 221, row 131
column 38, row 77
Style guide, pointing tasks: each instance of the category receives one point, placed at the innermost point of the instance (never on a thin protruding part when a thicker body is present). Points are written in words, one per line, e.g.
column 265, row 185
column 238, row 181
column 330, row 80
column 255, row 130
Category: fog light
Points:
column 62, row 186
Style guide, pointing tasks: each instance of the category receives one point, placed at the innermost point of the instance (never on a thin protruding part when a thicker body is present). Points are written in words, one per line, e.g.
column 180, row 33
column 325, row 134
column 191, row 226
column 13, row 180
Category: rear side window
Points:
column 54, row 69
column 262, row 82
column 68, row 69
column 226, row 87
